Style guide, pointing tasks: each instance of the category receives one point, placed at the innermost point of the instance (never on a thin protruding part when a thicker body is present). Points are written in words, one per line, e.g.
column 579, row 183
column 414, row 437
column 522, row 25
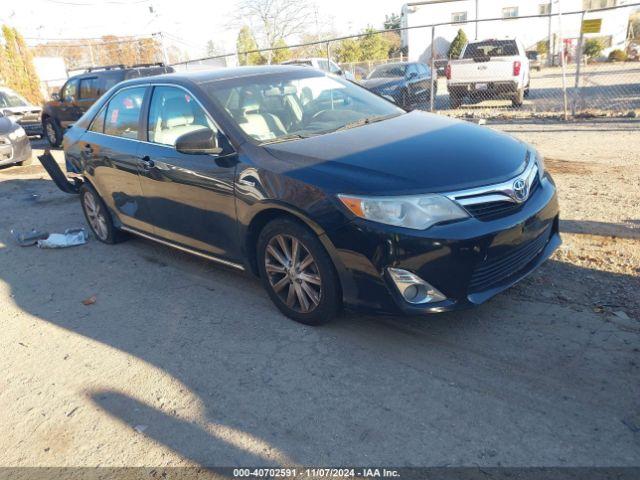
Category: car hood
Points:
column 21, row 110
column 415, row 152
column 382, row 82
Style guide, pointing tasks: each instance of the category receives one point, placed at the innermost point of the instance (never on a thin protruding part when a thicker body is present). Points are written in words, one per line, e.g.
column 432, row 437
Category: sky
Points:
column 188, row 24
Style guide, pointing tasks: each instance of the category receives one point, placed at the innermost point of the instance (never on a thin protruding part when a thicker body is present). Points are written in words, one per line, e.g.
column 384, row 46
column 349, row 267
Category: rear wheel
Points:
column 518, row 99
column 98, row 216
column 455, row 100
column 297, row 272
column 52, row 131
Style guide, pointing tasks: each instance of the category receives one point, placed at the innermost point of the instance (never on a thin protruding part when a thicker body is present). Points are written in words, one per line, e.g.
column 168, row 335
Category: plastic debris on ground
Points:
column 27, row 239
column 70, row 238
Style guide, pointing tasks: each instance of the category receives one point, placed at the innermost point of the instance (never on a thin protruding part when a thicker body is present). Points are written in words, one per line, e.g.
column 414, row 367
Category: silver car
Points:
column 14, row 143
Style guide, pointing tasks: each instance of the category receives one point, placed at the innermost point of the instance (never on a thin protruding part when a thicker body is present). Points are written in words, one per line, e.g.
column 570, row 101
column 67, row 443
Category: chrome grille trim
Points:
column 500, row 192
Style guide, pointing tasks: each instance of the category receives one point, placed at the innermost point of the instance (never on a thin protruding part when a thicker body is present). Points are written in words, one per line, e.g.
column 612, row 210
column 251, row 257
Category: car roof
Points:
column 205, row 76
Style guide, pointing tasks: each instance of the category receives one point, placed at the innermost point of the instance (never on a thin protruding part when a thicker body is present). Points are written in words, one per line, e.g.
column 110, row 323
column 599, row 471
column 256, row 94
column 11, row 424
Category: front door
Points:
column 190, row 196
column 111, row 148
column 67, row 108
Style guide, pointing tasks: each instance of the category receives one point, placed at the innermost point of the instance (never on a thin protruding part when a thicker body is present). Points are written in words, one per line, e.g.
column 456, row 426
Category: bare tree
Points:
column 274, row 21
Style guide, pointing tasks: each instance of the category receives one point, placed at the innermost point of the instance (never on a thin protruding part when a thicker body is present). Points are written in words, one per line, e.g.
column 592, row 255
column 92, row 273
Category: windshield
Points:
column 10, row 99
column 491, row 48
column 387, row 71
column 270, row 108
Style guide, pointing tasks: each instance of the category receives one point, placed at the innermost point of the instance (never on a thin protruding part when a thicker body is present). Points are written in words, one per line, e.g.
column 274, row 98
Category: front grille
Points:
column 494, row 270
column 493, row 210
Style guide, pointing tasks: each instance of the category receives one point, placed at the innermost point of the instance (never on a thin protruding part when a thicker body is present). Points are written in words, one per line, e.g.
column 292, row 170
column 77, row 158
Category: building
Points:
column 52, row 72
column 613, row 33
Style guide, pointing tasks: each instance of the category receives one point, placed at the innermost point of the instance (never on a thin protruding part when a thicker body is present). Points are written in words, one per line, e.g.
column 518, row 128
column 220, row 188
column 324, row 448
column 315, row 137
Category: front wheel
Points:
column 297, row 272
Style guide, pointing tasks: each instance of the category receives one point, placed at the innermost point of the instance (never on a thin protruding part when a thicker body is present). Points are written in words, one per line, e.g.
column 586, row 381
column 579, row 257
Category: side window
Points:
column 323, row 65
column 89, row 88
column 98, row 122
column 123, row 113
column 70, row 91
column 173, row 113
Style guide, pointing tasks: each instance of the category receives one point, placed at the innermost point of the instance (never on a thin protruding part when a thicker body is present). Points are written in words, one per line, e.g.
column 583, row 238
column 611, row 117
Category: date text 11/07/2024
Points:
column 315, row 473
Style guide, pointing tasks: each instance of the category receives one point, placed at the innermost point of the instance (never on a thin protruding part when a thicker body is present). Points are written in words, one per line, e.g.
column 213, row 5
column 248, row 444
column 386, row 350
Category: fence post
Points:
column 576, row 93
column 434, row 77
column 563, row 64
column 328, row 53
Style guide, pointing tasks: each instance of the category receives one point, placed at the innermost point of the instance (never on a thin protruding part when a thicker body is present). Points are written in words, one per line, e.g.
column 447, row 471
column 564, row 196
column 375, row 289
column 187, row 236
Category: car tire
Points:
column 98, row 216
column 52, row 131
column 518, row 99
column 305, row 288
column 404, row 99
column 455, row 101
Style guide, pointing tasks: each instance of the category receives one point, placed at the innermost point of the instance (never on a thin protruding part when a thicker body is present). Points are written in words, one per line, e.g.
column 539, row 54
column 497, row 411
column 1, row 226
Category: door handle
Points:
column 147, row 162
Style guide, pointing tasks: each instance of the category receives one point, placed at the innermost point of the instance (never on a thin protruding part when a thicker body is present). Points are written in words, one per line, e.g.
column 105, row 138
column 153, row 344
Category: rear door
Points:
column 190, row 196
column 111, row 149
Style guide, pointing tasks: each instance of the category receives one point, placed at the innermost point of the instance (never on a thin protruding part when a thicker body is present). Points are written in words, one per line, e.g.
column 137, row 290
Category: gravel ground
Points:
column 182, row 362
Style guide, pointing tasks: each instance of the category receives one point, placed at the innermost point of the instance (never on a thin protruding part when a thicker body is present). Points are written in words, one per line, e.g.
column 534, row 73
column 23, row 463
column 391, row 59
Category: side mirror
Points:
column 201, row 141
column 340, row 72
column 55, row 96
column 412, row 75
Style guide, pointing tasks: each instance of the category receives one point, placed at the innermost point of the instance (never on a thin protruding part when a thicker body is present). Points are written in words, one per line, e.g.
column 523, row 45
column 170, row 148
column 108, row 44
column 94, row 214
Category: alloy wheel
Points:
column 95, row 215
column 293, row 273
column 51, row 133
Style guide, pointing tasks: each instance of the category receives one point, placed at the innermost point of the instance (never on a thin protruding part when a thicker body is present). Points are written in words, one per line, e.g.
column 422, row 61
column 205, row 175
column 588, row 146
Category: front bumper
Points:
column 15, row 151
column 468, row 261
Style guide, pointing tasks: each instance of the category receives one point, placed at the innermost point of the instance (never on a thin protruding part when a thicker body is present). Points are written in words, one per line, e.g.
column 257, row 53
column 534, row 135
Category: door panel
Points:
column 115, row 158
column 68, row 111
column 190, row 196
column 191, row 200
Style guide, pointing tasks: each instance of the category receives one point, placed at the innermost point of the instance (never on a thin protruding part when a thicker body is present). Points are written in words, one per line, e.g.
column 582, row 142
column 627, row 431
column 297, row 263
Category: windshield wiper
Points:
column 287, row 138
column 365, row 121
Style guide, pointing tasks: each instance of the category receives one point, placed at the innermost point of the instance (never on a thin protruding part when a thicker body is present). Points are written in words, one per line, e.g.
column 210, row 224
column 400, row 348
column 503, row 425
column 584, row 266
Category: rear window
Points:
column 491, row 48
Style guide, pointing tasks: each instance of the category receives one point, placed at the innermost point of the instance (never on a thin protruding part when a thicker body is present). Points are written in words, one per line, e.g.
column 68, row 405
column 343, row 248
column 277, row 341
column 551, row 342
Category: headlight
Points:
column 17, row 133
column 416, row 211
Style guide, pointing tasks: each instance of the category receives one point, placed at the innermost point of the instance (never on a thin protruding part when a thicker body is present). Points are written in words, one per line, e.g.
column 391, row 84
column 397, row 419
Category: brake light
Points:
column 447, row 71
column 516, row 68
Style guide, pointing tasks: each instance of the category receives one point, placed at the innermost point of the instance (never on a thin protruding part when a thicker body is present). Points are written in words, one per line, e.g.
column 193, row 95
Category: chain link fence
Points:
column 559, row 69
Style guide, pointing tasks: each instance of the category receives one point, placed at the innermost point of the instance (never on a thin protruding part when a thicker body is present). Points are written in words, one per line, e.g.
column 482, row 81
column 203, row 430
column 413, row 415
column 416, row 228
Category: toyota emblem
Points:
column 520, row 192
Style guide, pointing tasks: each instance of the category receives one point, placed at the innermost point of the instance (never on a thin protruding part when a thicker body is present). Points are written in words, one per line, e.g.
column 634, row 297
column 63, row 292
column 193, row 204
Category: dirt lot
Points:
column 182, row 362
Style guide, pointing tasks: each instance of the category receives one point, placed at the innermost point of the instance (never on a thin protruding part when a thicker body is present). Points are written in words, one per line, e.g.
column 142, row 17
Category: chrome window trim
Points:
column 500, row 192
column 152, row 84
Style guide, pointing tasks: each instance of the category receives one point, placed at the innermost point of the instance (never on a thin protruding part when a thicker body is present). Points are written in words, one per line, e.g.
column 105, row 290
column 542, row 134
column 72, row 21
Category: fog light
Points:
column 414, row 289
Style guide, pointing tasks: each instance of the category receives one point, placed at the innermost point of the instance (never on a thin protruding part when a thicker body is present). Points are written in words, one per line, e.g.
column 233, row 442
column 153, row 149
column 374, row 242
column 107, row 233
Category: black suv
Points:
column 81, row 91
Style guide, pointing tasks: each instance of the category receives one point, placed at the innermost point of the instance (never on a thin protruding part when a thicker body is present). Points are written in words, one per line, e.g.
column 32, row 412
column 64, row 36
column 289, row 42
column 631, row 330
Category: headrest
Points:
column 180, row 111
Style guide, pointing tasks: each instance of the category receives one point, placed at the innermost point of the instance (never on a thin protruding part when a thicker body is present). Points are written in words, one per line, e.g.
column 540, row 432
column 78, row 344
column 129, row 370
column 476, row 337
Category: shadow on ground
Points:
column 518, row 381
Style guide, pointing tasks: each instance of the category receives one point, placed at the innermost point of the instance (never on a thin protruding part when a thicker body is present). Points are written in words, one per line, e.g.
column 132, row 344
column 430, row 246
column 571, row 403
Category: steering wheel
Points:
column 317, row 116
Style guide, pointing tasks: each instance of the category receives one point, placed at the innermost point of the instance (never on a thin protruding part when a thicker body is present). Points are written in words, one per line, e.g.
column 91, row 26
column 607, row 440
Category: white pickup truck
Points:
column 489, row 69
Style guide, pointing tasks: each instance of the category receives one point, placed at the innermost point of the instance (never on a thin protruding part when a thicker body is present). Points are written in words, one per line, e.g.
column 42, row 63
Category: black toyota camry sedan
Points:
column 330, row 194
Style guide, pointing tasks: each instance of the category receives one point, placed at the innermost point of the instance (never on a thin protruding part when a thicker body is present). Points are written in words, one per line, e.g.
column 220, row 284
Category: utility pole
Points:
column 477, row 20
column 549, row 46
column 163, row 48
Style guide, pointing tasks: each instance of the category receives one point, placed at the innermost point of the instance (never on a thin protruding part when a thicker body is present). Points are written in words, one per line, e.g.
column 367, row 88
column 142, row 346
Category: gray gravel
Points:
column 182, row 362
